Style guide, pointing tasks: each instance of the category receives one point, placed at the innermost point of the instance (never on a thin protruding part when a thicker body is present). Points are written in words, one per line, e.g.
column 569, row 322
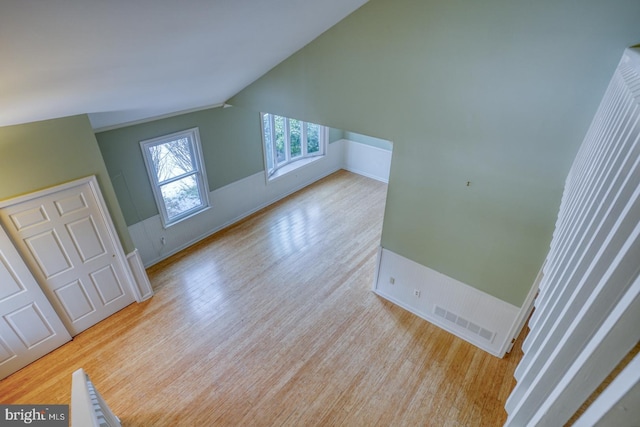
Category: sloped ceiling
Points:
column 125, row 61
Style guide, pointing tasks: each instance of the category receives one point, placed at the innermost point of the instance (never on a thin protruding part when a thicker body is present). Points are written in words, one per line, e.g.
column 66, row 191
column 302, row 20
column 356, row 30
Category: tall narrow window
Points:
column 288, row 142
column 176, row 171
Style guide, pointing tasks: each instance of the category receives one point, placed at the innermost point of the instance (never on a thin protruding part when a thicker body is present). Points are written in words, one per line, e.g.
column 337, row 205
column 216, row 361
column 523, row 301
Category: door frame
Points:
column 92, row 183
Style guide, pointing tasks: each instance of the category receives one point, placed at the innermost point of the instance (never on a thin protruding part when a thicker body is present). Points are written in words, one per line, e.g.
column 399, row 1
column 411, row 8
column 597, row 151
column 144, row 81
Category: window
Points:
column 287, row 141
column 175, row 167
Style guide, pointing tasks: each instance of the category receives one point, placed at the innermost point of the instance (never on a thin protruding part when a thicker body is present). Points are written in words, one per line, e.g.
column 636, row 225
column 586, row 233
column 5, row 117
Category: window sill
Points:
column 191, row 215
column 293, row 166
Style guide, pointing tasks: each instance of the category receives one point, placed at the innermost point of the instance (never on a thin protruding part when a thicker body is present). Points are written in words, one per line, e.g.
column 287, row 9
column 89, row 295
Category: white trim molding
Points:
column 475, row 316
column 141, row 280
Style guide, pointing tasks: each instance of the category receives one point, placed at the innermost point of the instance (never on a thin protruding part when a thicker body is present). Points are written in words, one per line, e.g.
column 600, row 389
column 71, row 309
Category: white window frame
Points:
column 290, row 163
column 193, row 136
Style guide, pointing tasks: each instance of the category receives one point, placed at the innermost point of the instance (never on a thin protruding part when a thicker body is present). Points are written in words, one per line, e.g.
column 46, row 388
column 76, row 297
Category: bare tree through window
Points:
column 177, row 174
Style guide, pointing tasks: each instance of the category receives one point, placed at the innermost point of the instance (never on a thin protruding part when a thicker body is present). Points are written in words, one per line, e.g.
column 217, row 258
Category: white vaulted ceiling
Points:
column 122, row 61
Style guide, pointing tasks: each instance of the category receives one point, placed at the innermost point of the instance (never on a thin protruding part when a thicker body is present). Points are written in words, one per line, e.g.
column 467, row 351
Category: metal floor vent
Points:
column 466, row 324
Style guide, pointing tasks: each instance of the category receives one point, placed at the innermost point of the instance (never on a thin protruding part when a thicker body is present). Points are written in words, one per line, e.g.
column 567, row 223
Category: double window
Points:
column 176, row 171
column 289, row 140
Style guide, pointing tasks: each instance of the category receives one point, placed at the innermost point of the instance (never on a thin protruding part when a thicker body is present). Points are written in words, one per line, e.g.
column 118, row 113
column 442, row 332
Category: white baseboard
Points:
column 479, row 318
column 143, row 286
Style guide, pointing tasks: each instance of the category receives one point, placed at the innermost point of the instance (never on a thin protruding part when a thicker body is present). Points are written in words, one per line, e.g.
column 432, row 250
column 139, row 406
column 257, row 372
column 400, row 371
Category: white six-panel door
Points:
column 29, row 326
column 64, row 238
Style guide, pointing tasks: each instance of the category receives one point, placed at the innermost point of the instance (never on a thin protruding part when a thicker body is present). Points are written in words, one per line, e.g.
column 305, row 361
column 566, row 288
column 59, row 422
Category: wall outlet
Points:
column 392, row 280
column 416, row 293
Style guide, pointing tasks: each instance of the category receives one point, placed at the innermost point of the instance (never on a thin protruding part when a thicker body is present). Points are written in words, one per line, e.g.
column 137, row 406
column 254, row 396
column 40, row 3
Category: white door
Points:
column 66, row 241
column 29, row 327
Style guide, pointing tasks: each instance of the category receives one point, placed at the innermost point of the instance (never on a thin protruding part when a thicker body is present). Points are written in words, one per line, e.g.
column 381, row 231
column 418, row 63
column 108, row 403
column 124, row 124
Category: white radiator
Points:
column 88, row 408
column 587, row 314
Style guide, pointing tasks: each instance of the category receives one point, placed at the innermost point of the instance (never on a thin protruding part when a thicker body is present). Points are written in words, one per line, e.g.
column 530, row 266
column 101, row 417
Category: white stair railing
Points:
column 587, row 314
column 88, row 408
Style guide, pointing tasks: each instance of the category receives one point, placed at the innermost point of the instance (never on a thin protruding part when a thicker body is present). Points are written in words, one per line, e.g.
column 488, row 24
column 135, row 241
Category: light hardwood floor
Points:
column 272, row 322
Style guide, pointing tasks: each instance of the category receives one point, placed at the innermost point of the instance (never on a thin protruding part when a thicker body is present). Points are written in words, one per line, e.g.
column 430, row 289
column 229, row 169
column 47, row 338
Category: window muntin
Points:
column 176, row 172
column 289, row 140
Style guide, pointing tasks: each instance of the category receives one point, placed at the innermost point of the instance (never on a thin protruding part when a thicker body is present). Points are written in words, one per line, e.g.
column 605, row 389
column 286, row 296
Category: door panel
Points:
column 86, row 239
column 49, row 253
column 107, row 284
column 38, row 330
column 74, row 300
column 29, row 326
column 29, row 217
column 68, row 205
column 65, row 240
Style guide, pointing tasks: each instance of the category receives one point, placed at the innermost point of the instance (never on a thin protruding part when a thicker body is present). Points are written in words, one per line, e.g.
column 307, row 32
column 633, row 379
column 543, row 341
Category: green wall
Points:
column 231, row 147
column 42, row 154
column 497, row 93
column 335, row 135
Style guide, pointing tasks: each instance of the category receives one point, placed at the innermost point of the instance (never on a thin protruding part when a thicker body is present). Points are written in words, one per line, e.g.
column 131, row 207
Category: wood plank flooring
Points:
column 272, row 322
